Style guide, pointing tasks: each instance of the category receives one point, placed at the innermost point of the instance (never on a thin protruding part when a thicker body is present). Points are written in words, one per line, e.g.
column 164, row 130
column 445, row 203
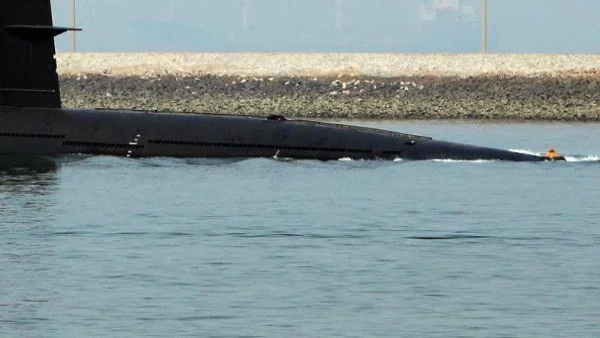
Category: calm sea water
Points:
column 113, row 247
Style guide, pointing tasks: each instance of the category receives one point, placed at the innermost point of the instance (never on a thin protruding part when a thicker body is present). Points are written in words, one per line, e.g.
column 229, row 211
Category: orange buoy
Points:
column 553, row 155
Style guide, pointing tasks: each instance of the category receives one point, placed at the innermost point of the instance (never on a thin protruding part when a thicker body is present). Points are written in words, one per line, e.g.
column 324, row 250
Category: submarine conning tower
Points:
column 28, row 75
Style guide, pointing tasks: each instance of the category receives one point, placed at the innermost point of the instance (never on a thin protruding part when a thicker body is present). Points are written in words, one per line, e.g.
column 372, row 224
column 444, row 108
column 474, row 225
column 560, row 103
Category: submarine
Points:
column 33, row 121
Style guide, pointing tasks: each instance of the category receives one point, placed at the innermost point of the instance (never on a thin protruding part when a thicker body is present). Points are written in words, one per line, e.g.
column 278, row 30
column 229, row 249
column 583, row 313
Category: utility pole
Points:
column 246, row 15
column 339, row 7
column 484, row 27
column 74, row 38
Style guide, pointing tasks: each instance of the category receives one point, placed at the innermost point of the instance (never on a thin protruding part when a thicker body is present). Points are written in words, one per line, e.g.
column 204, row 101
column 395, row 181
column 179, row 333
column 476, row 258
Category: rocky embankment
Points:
column 370, row 86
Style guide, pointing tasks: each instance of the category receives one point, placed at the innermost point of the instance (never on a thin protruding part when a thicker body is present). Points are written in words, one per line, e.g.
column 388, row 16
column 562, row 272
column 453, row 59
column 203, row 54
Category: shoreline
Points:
column 450, row 86
column 327, row 64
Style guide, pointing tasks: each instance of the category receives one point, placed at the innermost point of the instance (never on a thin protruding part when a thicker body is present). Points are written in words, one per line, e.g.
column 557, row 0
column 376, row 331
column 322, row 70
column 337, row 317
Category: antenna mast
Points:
column 484, row 27
column 73, row 36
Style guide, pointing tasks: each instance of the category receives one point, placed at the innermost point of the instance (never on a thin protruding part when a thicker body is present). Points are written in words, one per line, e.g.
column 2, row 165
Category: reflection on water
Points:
column 23, row 164
column 29, row 194
column 27, row 208
column 28, row 183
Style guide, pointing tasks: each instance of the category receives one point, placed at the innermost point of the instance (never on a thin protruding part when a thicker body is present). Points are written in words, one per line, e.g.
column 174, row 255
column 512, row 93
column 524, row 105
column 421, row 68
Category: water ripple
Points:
column 449, row 237
column 159, row 247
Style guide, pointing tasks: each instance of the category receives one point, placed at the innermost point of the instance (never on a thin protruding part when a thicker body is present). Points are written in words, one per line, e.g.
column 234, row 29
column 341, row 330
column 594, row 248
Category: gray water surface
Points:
column 109, row 246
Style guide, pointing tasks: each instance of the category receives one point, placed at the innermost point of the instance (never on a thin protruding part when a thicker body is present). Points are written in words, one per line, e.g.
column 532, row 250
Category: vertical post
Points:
column 484, row 27
column 73, row 41
column 339, row 7
column 246, row 15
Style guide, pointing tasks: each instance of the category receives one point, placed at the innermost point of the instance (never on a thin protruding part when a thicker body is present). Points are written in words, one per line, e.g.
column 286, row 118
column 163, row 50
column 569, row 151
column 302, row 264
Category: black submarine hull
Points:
column 49, row 131
column 33, row 122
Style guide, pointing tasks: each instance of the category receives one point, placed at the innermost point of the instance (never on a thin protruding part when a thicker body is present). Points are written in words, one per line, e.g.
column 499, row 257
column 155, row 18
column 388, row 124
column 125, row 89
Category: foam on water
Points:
column 461, row 161
column 573, row 158
column 525, row 151
column 348, row 159
column 115, row 161
column 569, row 158
column 583, row 158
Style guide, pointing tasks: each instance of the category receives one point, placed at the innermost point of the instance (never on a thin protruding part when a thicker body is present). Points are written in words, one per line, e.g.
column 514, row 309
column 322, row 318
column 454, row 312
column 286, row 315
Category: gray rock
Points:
column 563, row 97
